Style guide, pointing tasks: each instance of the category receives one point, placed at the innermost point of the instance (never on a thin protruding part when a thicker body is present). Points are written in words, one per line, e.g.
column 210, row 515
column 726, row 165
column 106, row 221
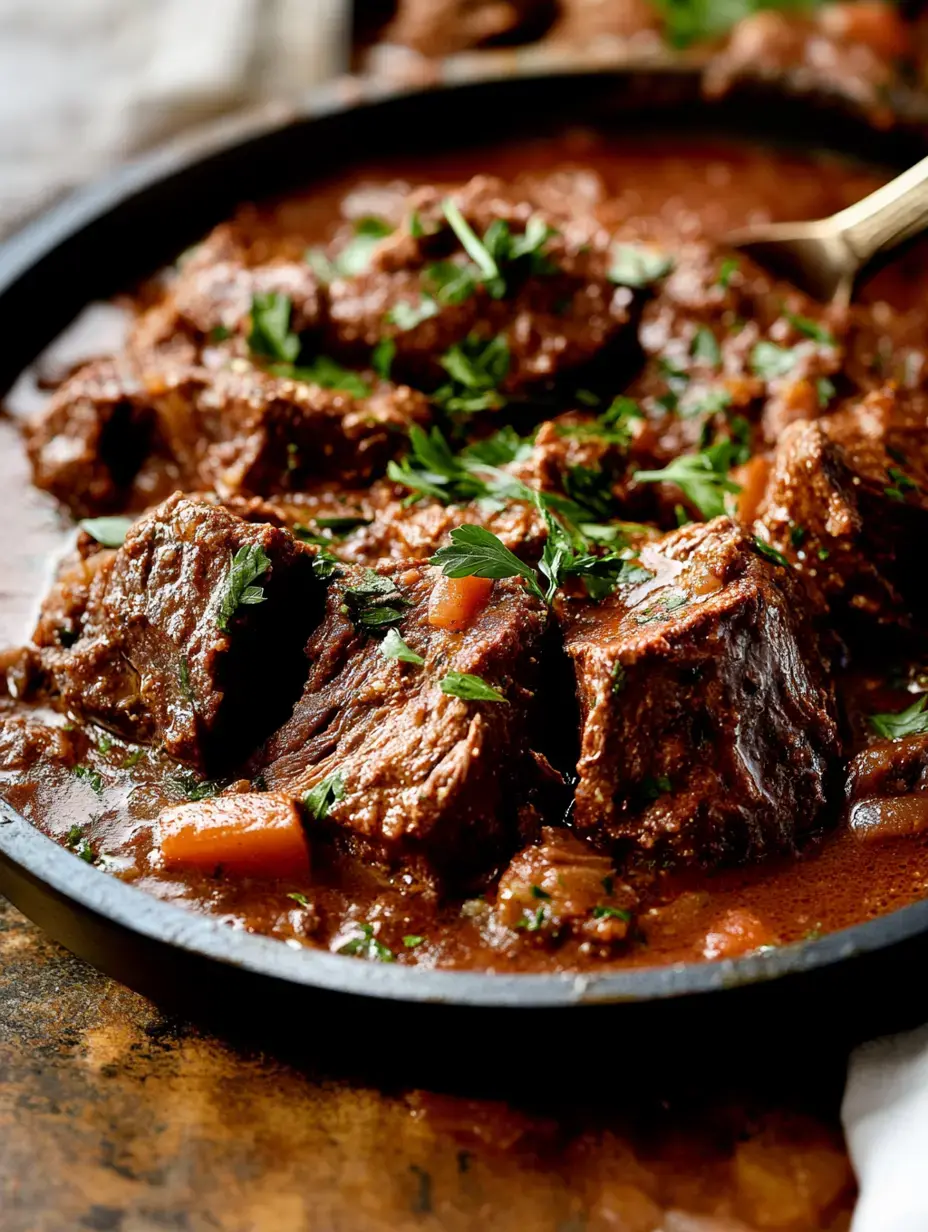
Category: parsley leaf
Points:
column 728, row 267
column 393, row 647
column 768, row 550
column 270, row 327
column 825, row 389
column 613, row 426
column 76, row 841
column 476, row 367
column 411, row 941
column 186, row 783
column 92, row 778
column 604, row 912
column 356, row 255
column 913, row 721
column 810, row 328
column 432, row 469
column 702, row 477
column 634, row 265
column 902, row 484
column 406, row 316
column 319, row 799
column 248, row 563
column 374, row 603
column 327, row 373
column 476, row 552
column 475, row 248
column 366, row 945
column 705, row 347
column 769, row 361
column 470, row 688
column 382, row 357
column 108, row 532
column 300, row 898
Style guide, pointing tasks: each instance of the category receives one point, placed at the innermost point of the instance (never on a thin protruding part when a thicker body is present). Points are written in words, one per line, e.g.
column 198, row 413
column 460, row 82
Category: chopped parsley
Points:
column 613, row 426
column 825, row 390
column 393, row 647
column 319, row 799
column 476, row 367
column 797, row 534
column 634, row 265
column 705, row 347
column 496, row 258
column 406, row 316
column 913, row 721
column 366, row 945
column 356, row 255
column 76, row 841
column 132, row 759
column 220, row 333
column 270, row 334
column 92, row 778
column 183, row 677
column 343, row 523
column 605, row 912
column 769, row 361
column 411, row 940
column 470, row 688
column 728, row 267
column 590, row 487
column 662, row 608
column 300, row 898
column 382, row 358
column 108, row 532
column 768, row 550
column 374, row 603
column 701, row 477
column 810, row 329
column 619, row 677
column 712, row 402
column 328, row 374
column 187, row 783
column 533, row 921
column 901, row 484
column 248, row 564
column 538, row 892
column 104, row 742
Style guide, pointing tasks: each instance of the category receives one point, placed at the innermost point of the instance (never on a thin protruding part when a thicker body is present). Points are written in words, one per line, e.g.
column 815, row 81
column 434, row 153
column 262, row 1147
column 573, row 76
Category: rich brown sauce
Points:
column 838, row 881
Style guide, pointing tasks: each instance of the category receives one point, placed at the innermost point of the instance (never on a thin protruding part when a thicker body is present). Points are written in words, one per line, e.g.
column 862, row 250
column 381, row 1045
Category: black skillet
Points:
column 99, row 242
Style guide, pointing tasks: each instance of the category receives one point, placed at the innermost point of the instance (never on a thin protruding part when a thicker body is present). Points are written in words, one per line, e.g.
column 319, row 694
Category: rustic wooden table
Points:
column 116, row 1118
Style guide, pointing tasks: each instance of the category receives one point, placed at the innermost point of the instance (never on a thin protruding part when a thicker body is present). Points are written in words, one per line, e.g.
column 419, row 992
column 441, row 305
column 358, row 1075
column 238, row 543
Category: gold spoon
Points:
column 826, row 256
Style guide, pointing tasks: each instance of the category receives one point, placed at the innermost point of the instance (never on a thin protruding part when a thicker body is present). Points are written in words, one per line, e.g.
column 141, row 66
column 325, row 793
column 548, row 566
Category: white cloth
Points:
column 885, row 1116
column 86, row 83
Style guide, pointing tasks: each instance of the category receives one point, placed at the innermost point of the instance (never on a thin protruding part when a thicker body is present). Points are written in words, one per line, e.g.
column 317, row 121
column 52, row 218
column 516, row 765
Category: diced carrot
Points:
column 456, row 601
column 752, row 478
column 256, row 834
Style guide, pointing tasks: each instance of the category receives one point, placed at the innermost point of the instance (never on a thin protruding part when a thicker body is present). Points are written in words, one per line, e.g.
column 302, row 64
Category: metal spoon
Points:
column 825, row 257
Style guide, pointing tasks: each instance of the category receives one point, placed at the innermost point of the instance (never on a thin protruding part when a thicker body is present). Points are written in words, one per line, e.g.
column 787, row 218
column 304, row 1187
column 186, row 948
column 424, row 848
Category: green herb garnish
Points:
column 248, row 564
column 411, row 940
column 470, row 688
column 382, row 357
column 108, row 532
column 702, row 477
column 188, row 784
column 92, row 778
column 366, row 945
column 769, row 361
column 476, row 552
column 913, row 721
column 768, row 550
column 706, row 347
column 319, row 799
column 270, row 334
column 477, row 367
column 393, row 647
column 374, row 603
column 634, row 265
column 810, row 328
column 605, row 912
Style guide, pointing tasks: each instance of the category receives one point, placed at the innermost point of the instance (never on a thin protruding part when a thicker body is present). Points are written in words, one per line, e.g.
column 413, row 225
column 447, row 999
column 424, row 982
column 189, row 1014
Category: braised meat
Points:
column 707, row 725
column 847, row 503
column 561, row 886
column 238, row 431
column 408, row 769
column 538, row 304
column 887, row 790
column 193, row 633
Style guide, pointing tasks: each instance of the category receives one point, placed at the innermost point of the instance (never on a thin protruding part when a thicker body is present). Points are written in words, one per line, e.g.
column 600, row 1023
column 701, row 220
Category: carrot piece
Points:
column 752, row 478
column 256, row 834
column 456, row 601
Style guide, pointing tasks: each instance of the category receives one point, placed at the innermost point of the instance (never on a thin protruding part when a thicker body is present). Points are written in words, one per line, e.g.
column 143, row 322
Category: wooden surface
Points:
column 115, row 1118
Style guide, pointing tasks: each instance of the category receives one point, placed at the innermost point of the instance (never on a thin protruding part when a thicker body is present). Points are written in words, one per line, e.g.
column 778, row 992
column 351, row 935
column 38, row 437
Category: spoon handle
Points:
column 888, row 216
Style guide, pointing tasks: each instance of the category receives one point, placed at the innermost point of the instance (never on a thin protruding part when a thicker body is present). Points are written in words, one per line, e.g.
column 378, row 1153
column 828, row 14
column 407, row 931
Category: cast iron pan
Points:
column 99, row 242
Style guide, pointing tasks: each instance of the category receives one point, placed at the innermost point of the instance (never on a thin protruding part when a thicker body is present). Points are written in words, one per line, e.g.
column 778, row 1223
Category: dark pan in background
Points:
column 100, row 241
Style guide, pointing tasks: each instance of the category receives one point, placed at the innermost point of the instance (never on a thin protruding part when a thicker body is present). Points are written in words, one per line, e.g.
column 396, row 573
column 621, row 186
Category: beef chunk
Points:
column 887, row 790
column 549, row 312
column 174, row 647
column 707, row 725
column 439, row 29
column 237, row 429
column 847, row 502
column 562, row 887
column 89, row 440
column 419, row 773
